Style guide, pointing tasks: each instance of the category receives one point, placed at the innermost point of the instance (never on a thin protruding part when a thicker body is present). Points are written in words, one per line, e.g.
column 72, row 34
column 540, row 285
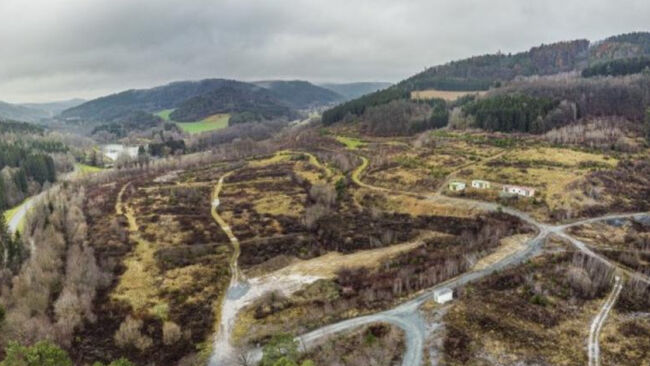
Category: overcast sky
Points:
column 60, row 49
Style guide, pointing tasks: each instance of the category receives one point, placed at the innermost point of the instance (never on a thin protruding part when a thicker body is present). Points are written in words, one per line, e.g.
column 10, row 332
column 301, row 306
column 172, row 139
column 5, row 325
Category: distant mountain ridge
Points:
column 21, row 113
column 301, row 94
column 117, row 105
column 355, row 90
column 35, row 112
column 234, row 97
column 195, row 99
column 54, row 108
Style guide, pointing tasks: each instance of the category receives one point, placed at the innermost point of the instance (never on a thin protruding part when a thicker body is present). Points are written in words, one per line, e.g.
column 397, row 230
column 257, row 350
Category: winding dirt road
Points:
column 599, row 320
column 242, row 292
column 19, row 216
column 410, row 320
column 406, row 316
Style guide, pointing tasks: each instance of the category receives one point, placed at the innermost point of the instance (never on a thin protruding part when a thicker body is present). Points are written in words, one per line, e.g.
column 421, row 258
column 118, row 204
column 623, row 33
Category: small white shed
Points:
column 457, row 186
column 443, row 295
column 519, row 190
column 480, row 184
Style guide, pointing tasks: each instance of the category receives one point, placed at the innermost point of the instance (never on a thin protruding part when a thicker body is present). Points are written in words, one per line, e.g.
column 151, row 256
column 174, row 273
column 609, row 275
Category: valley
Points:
column 493, row 210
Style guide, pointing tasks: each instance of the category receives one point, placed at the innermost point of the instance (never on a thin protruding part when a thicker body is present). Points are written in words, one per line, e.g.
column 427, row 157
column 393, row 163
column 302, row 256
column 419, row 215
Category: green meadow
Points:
column 214, row 122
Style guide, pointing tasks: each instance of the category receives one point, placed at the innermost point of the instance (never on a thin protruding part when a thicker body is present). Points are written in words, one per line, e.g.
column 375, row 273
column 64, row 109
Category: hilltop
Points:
column 493, row 71
column 301, row 94
column 22, row 113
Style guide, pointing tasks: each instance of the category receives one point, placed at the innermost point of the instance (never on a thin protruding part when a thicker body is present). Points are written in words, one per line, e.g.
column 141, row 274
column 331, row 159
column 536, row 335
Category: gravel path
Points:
column 406, row 316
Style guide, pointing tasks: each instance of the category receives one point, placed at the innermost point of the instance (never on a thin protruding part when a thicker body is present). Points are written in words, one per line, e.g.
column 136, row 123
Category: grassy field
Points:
column 164, row 114
column 350, row 142
column 88, row 169
column 9, row 214
column 214, row 122
column 442, row 94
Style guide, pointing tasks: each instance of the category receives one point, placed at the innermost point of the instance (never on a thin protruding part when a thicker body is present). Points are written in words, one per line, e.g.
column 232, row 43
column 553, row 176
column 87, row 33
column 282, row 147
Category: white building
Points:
column 443, row 295
column 519, row 190
column 457, row 186
column 480, row 184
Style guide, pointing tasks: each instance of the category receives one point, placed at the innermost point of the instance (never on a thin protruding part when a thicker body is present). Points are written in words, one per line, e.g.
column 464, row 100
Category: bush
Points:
column 42, row 353
column 120, row 362
column 281, row 348
column 129, row 334
column 171, row 333
column 538, row 299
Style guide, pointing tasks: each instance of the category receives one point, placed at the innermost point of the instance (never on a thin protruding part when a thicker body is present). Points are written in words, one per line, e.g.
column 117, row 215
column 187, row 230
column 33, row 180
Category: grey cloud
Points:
column 58, row 49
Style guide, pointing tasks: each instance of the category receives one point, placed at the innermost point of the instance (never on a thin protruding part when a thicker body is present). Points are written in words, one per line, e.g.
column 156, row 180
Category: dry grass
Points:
column 552, row 171
column 602, row 235
column 138, row 285
column 400, row 178
column 503, row 325
column 278, row 157
column 328, row 265
column 620, row 345
column 279, row 204
column 419, row 207
column 509, row 246
column 553, row 184
column 560, row 155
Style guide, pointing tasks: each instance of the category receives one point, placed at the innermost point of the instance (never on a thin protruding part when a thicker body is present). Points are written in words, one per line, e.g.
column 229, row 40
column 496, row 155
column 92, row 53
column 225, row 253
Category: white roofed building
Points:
column 519, row 190
column 443, row 295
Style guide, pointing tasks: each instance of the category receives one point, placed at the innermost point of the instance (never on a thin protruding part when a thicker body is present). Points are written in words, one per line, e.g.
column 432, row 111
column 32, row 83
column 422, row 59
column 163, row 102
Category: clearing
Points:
column 87, row 169
column 350, row 142
column 213, row 122
column 448, row 95
column 164, row 114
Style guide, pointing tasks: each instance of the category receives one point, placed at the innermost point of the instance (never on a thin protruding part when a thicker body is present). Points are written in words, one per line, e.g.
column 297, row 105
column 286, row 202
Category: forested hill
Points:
column 193, row 99
column 244, row 99
column 21, row 113
column 26, row 161
column 54, row 108
column 301, row 94
column 483, row 72
column 118, row 105
column 15, row 127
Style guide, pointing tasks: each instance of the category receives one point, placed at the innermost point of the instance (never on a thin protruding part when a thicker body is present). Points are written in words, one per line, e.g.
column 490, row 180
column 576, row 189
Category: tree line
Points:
column 21, row 165
column 9, row 126
column 357, row 107
column 537, row 106
column 618, row 67
column 405, row 117
column 509, row 113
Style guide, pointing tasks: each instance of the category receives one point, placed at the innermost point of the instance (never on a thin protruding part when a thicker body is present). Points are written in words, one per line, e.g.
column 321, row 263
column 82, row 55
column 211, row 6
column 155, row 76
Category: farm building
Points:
column 480, row 184
column 519, row 190
column 443, row 295
column 457, row 186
